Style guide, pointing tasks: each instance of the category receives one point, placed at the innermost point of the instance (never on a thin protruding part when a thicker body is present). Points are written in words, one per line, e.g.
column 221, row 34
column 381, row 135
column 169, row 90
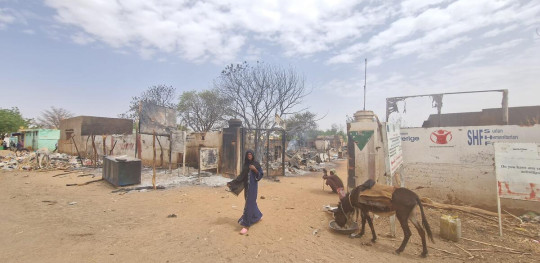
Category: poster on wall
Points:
column 208, row 158
column 394, row 152
column 517, row 168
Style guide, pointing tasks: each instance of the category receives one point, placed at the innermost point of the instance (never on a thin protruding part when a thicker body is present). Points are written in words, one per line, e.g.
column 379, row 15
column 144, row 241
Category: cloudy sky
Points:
column 91, row 57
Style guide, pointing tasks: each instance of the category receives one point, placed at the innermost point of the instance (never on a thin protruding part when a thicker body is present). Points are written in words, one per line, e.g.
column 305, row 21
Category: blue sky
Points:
column 91, row 57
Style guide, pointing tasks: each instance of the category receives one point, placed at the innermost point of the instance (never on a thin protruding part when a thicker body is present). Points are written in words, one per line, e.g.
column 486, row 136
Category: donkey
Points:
column 402, row 204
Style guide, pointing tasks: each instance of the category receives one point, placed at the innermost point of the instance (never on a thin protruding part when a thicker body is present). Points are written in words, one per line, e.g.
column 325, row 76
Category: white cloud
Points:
column 497, row 31
column 490, row 51
column 5, row 18
column 414, row 6
column 345, row 30
column 82, row 39
column 437, row 30
column 218, row 30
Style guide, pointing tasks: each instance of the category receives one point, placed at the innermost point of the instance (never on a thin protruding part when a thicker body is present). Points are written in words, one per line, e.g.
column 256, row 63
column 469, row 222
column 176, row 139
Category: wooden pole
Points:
column 267, row 153
column 154, row 160
column 95, row 150
column 170, row 152
column 103, row 138
column 113, row 143
column 138, row 133
column 160, row 153
column 283, row 138
column 77, row 149
column 184, row 155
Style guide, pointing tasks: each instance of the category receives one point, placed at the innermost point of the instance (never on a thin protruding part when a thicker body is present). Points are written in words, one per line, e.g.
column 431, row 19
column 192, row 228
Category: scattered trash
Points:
column 329, row 208
column 450, row 227
column 85, row 183
column 306, row 160
column 72, row 203
column 315, row 231
column 530, row 217
column 140, row 188
column 31, row 161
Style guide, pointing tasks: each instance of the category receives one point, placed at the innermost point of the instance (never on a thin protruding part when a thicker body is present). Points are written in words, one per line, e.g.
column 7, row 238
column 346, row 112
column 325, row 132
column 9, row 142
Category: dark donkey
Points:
column 402, row 205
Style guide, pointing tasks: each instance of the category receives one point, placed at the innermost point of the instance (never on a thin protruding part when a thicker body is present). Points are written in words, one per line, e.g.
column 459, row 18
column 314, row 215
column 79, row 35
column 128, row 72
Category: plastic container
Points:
column 450, row 228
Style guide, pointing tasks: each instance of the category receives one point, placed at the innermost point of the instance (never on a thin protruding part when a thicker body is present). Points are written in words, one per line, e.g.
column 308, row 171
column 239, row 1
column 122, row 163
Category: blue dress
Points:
column 251, row 214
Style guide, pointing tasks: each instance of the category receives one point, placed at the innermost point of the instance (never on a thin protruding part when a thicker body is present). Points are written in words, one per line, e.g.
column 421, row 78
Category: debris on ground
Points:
column 530, row 217
column 307, row 160
column 30, row 161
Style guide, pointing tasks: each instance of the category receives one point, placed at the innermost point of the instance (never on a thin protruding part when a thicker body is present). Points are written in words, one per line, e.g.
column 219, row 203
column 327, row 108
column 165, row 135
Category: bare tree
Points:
column 257, row 93
column 161, row 95
column 51, row 118
column 203, row 111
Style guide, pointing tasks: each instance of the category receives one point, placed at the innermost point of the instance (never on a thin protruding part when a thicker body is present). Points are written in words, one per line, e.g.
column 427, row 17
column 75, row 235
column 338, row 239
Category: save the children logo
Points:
column 441, row 136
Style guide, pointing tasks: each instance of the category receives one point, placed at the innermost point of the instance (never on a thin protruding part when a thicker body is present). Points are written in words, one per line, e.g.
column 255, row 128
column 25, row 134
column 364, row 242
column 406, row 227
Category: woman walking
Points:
column 248, row 181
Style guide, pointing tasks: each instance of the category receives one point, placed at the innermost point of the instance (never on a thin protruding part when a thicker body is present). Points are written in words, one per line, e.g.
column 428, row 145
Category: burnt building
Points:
column 77, row 131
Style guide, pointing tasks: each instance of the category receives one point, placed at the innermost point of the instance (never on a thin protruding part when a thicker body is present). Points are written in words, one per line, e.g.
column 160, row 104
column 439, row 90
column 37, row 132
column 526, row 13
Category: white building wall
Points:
column 457, row 163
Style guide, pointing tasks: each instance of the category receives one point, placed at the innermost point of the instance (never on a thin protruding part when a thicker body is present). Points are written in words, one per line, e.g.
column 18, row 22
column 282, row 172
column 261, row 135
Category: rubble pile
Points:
column 30, row 161
column 307, row 160
column 175, row 178
column 530, row 217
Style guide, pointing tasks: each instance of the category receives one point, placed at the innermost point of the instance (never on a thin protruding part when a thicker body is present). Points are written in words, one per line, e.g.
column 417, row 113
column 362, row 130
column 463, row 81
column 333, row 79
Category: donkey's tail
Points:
column 424, row 220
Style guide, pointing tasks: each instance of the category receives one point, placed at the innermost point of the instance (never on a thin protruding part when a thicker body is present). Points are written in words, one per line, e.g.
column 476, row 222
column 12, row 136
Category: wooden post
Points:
column 113, row 143
column 103, row 138
column 154, row 160
column 77, row 149
column 95, row 150
column 160, row 153
column 283, row 138
column 139, row 146
column 170, row 152
column 138, row 150
column 184, row 155
column 267, row 153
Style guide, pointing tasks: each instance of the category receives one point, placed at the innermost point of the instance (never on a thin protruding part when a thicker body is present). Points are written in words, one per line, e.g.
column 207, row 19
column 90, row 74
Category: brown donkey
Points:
column 401, row 204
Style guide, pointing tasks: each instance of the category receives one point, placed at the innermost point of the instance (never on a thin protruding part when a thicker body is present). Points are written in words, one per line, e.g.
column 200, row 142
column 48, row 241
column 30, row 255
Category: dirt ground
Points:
column 43, row 220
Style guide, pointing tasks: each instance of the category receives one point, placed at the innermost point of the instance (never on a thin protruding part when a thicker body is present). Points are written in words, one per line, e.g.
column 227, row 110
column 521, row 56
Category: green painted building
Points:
column 40, row 138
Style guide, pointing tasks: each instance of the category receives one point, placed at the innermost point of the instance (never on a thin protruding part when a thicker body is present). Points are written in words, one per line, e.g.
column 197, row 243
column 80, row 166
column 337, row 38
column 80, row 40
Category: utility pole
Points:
column 365, row 83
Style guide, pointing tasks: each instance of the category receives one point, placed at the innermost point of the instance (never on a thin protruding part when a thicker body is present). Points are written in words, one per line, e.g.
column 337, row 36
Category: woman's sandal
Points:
column 243, row 231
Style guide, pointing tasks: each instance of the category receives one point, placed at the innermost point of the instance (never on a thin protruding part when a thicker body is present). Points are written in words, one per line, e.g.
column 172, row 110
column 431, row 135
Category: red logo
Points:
column 441, row 136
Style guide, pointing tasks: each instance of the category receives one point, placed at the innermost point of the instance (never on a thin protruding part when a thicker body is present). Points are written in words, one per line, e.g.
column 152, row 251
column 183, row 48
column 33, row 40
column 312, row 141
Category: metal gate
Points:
column 269, row 148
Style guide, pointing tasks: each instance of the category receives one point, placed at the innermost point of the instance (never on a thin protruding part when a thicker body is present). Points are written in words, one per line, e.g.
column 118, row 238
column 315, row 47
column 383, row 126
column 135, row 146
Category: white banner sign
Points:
column 394, row 151
column 472, row 145
column 517, row 167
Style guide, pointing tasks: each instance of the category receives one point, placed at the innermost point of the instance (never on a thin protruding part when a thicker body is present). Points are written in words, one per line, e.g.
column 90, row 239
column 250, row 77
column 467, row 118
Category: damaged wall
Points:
column 125, row 145
column 197, row 140
column 109, row 131
column 457, row 163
